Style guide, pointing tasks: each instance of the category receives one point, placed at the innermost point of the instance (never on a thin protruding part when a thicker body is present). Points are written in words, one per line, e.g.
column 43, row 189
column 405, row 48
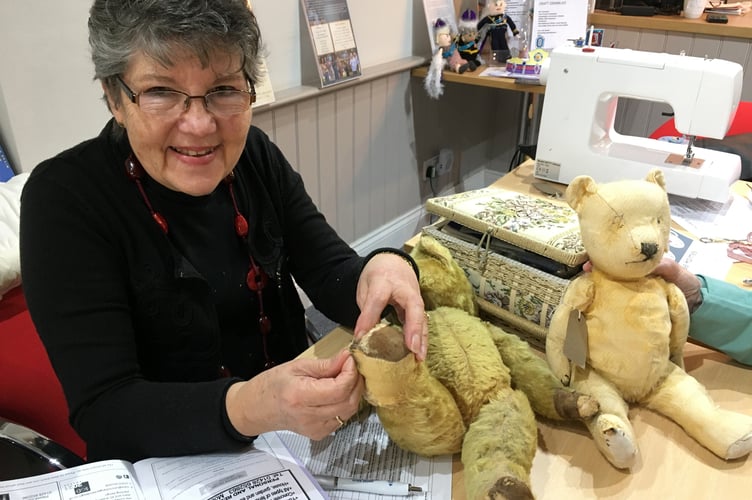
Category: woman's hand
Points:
column 671, row 271
column 688, row 283
column 387, row 279
column 308, row 396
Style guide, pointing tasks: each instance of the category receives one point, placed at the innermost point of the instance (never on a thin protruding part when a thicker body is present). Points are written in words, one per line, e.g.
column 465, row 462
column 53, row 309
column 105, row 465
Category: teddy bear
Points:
column 476, row 393
column 619, row 332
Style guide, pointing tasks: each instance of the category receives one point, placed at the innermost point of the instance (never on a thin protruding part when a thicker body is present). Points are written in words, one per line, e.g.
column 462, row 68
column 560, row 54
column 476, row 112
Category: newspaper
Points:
column 362, row 450
column 267, row 470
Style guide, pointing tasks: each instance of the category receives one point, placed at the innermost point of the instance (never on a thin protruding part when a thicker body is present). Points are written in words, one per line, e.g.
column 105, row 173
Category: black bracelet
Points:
column 399, row 253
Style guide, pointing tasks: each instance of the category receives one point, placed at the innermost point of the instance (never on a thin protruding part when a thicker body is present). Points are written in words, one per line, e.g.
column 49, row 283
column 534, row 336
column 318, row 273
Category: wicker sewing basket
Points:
column 515, row 296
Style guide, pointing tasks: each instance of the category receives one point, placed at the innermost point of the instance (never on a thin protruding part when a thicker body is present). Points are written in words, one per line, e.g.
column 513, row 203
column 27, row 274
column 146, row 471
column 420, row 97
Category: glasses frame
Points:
column 135, row 97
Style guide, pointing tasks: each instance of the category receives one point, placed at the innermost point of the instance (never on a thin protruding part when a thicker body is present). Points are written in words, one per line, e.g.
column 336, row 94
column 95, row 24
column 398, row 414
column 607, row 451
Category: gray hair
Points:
column 162, row 28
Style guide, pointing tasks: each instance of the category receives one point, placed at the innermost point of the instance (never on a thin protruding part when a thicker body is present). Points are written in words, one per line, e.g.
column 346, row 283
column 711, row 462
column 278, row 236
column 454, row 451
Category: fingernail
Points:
column 416, row 345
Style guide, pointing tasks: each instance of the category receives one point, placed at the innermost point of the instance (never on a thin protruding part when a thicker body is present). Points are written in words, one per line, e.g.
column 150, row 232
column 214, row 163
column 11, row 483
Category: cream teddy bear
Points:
column 619, row 332
column 476, row 392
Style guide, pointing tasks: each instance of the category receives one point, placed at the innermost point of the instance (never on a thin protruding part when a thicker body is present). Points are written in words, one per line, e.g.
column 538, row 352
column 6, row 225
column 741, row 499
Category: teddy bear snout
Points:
column 648, row 249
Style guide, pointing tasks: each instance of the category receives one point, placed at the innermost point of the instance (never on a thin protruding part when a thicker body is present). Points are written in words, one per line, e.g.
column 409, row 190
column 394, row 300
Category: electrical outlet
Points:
column 438, row 165
column 446, row 159
column 429, row 167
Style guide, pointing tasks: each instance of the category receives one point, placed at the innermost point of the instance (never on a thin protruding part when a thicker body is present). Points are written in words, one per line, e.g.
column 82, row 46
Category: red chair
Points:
column 741, row 124
column 30, row 393
column 738, row 139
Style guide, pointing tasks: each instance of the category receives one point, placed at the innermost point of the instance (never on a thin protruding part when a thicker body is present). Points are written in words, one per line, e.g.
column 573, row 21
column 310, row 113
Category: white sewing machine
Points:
column 577, row 136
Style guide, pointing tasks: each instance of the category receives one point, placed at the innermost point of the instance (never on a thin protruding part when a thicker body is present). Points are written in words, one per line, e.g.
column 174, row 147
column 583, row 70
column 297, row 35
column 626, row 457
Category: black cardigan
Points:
column 127, row 319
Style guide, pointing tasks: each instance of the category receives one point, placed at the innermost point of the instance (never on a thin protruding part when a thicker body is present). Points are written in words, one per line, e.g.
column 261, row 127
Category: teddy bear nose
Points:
column 648, row 249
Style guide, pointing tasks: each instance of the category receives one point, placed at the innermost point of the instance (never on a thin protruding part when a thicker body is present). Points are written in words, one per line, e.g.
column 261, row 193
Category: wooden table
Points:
column 670, row 465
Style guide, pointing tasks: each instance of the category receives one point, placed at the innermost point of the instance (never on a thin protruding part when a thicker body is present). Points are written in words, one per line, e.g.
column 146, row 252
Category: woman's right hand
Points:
column 688, row 283
column 671, row 271
column 307, row 396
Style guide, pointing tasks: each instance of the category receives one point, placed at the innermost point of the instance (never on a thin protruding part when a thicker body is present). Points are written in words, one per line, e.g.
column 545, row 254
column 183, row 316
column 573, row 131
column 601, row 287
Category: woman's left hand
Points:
column 387, row 279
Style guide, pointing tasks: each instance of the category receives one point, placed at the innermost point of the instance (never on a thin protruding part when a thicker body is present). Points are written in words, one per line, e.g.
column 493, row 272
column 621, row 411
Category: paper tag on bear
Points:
column 575, row 343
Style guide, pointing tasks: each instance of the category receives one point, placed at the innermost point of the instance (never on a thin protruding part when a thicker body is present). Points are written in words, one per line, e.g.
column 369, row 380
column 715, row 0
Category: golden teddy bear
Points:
column 476, row 392
column 631, row 326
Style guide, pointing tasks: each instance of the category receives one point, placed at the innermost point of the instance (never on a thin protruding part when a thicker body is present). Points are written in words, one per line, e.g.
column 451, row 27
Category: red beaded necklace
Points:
column 256, row 279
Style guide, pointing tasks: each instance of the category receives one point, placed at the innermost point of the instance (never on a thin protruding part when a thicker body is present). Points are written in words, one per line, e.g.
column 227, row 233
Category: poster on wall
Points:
column 264, row 90
column 557, row 23
column 439, row 9
column 332, row 40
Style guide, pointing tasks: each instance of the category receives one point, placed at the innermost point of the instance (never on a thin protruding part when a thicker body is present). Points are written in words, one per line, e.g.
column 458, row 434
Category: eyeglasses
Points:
column 171, row 103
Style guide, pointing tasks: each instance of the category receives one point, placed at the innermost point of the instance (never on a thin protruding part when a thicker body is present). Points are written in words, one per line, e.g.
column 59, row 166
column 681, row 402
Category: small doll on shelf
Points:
column 446, row 55
column 467, row 41
column 494, row 26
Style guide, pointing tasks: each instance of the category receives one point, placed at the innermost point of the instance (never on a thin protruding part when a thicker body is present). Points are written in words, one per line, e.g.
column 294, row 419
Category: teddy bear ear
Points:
column 581, row 187
column 656, row 176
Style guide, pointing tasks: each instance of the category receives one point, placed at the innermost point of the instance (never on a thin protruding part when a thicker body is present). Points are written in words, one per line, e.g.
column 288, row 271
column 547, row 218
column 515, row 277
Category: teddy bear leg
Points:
column 532, row 375
column 498, row 450
column 683, row 399
column 611, row 430
column 418, row 413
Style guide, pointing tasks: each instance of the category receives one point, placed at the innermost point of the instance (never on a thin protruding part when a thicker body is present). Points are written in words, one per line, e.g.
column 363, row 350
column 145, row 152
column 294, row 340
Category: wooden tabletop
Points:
column 737, row 27
column 474, row 78
column 672, row 465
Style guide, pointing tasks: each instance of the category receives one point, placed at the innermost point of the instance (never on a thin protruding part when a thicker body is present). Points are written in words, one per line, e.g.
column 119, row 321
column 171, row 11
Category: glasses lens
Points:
column 228, row 102
column 161, row 101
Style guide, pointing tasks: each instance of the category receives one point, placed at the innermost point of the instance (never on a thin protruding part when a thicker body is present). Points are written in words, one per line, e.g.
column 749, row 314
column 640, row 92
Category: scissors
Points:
column 746, row 241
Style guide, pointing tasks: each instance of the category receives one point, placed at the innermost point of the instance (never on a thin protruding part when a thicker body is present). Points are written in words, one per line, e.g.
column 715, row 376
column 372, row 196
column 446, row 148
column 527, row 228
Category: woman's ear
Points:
column 113, row 104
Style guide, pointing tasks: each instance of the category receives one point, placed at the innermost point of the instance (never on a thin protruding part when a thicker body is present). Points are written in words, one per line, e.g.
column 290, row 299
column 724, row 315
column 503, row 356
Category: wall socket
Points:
column 438, row 165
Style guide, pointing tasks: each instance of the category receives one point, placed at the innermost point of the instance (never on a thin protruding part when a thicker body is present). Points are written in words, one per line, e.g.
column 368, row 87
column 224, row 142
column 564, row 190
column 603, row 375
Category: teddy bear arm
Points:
column 417, row 411
column 578, row 297
column 679, row 315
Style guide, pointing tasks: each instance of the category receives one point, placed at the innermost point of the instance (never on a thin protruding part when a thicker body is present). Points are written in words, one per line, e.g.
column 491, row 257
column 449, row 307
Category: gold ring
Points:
column 341, row 423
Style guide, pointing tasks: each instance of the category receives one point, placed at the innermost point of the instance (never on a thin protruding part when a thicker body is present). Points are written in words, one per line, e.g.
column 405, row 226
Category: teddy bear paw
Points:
column 740, row 448
column 509, row 488
column 618, row 448
column 575, row 405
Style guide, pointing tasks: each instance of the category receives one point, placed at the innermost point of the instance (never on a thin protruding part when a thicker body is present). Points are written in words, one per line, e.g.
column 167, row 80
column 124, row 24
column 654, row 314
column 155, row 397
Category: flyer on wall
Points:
column 557, row 23
column 439, row 9
column 333, row 40
column 263, row 87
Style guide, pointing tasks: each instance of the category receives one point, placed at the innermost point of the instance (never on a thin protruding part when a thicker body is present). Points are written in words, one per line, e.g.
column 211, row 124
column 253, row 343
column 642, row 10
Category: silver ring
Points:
column 341, row 422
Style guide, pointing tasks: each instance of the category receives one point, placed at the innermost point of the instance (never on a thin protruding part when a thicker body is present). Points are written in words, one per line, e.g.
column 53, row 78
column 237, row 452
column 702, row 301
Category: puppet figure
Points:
column 447, row 55
column 494, row 26
column 467, row 41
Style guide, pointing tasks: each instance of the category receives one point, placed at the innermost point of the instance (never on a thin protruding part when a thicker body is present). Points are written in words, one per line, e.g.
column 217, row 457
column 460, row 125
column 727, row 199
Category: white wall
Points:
column 48, row 101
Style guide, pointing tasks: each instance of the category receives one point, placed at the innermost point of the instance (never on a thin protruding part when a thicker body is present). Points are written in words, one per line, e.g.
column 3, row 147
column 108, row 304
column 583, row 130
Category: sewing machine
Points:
column 577, row 135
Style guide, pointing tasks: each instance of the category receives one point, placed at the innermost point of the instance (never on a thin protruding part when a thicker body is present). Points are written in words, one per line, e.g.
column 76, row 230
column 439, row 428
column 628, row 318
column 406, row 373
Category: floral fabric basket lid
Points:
column 543, row 226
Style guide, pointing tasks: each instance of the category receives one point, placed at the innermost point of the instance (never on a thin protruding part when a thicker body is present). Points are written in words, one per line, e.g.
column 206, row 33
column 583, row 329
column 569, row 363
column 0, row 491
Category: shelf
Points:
column 737, row 27
column 473, row 78
column 303, row 92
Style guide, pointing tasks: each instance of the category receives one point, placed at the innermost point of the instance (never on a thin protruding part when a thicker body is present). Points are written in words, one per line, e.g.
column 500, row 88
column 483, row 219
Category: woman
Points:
column 158, row 258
